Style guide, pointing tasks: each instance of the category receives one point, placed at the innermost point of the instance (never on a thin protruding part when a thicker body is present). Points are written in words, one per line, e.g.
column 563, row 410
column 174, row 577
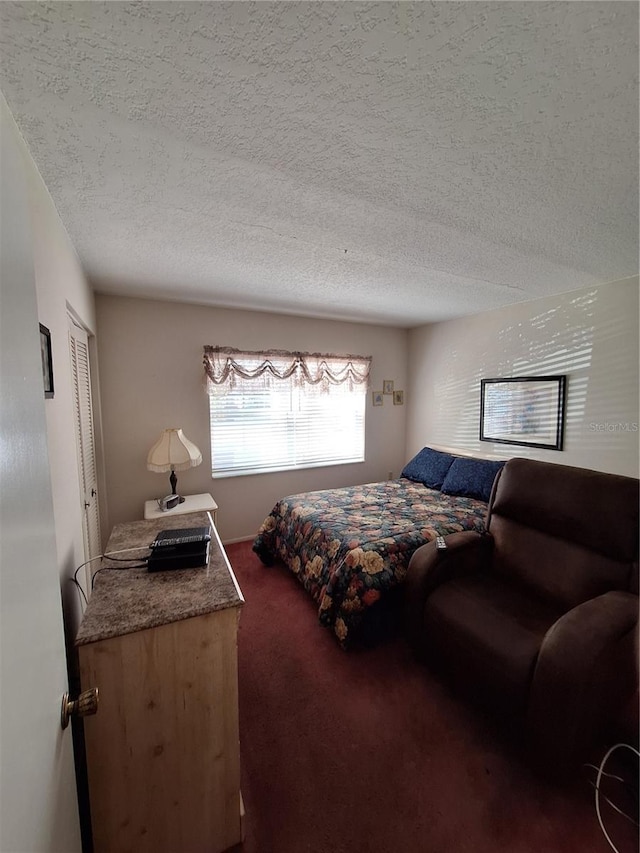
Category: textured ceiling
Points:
column 395, row 163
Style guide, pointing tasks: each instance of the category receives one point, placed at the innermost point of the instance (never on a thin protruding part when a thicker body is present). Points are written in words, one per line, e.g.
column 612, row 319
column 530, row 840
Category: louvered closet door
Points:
column 79, row 344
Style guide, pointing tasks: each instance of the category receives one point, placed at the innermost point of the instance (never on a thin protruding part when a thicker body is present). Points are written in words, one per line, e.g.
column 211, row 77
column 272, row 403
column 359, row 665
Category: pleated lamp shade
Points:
column 173, row 452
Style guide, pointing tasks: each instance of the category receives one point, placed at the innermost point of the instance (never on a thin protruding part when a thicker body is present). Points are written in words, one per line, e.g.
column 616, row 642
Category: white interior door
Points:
column 38, row 802
column 85, row 438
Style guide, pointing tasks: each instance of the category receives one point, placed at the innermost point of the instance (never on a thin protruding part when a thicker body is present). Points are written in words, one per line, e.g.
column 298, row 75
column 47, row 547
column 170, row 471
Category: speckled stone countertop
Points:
column 126, row 600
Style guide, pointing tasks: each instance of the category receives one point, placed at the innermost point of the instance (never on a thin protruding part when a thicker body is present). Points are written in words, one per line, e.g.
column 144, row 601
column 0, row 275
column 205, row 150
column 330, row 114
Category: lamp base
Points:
column 174, row 482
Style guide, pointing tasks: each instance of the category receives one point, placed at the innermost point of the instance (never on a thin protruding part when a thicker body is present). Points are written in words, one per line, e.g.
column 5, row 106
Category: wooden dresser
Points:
column 163, row 757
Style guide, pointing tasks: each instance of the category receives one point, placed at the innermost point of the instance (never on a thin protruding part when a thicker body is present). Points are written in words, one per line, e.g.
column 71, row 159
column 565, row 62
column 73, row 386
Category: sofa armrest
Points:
column 586, row 668
column 429, row 567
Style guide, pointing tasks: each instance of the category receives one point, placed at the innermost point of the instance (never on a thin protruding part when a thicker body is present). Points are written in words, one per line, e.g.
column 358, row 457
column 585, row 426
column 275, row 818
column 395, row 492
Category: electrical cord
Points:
column 615, row 807
column 609, row 775
column 122, row 559
column 601, row 773
column 80, row 590
column 108, row 556
column 114, row 569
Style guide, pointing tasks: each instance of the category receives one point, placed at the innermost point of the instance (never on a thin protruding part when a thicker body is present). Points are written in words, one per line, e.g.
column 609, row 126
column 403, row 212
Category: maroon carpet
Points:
column 366, row 751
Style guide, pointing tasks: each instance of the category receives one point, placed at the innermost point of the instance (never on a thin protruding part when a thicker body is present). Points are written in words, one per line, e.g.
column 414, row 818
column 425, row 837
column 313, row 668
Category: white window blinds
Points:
column 275, row 410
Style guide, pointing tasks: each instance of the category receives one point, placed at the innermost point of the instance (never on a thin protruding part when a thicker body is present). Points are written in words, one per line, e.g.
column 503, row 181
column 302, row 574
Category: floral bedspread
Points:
column 349, row 546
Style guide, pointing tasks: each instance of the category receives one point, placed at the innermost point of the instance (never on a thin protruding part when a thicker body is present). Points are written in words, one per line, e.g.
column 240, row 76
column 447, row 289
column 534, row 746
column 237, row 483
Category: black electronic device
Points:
column 183, row 548
column 182, row 536
column 169, row 502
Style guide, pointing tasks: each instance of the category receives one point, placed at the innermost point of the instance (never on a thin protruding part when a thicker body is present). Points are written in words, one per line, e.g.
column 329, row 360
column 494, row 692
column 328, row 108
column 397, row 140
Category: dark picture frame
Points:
column 47, row 361
column 526, row 410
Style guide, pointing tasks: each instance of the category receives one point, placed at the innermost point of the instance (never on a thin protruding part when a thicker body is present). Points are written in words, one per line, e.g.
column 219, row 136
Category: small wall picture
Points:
column 377, row 397
column 398, row 398
column 47, row 360
column 387, row 386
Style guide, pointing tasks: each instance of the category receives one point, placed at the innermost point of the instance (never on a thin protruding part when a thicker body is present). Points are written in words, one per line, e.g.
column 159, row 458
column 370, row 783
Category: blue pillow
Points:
column 428, row 467
column 472, row 478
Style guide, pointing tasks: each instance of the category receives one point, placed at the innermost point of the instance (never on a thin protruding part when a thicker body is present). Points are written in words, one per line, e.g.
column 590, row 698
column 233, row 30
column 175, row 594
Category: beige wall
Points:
column 151, row 377
column 60, row 285
column 590, row 335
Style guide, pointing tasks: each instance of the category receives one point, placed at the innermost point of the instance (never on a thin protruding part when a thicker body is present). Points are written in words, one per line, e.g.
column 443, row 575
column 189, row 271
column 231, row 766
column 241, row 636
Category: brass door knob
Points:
column 84, row 706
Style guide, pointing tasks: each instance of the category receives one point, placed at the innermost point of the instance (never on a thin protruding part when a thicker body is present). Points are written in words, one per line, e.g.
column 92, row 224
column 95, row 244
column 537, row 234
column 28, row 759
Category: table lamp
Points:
column 173, row 452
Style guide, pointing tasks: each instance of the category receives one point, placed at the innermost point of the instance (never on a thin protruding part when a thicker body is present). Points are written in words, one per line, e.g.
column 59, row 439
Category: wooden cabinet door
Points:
column 163, row 750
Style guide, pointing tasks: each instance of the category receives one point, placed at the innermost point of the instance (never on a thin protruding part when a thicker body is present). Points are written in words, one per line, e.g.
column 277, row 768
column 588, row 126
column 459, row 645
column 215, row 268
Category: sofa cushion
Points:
column 471, row 477
column 595, row 510
column 574, row 574
column 428, row 467
column 489, row 632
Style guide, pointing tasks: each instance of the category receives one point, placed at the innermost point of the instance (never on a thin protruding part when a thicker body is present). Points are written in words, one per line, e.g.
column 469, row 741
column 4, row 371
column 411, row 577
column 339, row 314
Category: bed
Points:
column 350, row 547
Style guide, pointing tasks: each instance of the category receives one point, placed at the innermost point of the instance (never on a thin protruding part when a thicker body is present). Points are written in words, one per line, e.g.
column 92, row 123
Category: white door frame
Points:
column 81, row 364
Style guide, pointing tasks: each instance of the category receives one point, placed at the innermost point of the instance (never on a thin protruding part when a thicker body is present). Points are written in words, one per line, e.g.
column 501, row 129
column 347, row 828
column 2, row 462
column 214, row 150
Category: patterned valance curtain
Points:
column 224, row 365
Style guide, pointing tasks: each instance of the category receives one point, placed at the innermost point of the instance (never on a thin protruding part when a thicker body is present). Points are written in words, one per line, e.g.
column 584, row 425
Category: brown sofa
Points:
column 538, row 618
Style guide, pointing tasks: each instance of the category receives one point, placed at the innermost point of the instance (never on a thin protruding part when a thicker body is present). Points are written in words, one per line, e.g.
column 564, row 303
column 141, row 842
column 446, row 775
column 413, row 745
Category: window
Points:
column 275, row 411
